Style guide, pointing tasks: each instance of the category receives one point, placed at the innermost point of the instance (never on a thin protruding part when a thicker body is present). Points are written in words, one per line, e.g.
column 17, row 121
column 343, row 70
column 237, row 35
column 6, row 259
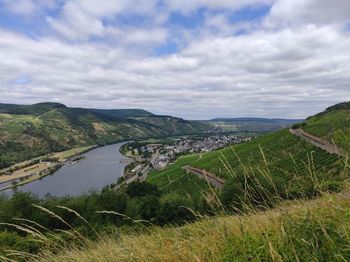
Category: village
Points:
column 160, row 155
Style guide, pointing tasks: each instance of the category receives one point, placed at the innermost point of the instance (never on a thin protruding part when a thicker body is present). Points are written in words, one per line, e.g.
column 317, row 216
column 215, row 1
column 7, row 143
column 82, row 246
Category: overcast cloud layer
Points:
column 195, row 59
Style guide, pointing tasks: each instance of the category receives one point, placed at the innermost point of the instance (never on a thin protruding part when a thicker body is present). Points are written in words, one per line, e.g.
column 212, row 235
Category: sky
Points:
column 196, row 59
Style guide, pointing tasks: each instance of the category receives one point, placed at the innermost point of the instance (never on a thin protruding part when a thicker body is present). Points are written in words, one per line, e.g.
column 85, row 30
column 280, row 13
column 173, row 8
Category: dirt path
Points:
column 316, row 141
column 211, row 178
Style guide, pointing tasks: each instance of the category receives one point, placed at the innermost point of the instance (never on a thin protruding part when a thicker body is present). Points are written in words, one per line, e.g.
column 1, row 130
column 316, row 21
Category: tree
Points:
column 140, row 189
column 150, row 208
column 175, row 210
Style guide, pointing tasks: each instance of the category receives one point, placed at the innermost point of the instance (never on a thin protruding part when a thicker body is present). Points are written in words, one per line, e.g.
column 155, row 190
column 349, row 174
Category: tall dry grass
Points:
column 253, row 234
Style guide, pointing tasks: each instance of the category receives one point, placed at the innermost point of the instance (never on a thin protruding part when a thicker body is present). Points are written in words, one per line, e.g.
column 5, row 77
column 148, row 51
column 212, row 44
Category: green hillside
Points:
column 30, row 131
column 172, row 124
column 289, row 161
column 332, row 125
column 123, row 113
column 285, row 165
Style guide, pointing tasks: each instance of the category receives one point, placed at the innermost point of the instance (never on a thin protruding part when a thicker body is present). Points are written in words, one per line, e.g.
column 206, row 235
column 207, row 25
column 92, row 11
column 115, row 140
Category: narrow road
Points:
column 209, row 177
column 147, row 168
column 316, row 141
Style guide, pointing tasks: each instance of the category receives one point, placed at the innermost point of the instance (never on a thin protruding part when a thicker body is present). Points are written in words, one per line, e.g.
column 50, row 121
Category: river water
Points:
column 100, row 167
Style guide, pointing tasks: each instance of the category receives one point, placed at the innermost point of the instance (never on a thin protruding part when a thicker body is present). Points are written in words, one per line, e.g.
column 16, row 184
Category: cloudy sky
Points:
column 196, row 59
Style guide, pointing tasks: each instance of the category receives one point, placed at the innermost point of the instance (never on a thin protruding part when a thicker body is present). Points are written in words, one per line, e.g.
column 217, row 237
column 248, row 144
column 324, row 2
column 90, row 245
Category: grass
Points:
column 333, row 126
column 316, row 230
column 281, row 154
column 72, row 152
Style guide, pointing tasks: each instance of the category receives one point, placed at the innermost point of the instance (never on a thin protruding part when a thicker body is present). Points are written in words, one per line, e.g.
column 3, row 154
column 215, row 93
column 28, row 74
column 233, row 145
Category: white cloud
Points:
column 83, row 19
column 186, row 6
column 296, row 12
column 291, row 73
column 28, row 7
column 144, row 36
column 292, row 65
column 77, row 24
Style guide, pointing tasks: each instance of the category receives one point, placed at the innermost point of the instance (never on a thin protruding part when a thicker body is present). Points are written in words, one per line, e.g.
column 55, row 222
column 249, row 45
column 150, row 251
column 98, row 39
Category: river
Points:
column 100, row 167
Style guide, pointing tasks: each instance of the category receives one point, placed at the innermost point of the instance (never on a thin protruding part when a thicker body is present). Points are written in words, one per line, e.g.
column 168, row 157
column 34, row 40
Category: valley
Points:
column 189, row 180
column 30, row 131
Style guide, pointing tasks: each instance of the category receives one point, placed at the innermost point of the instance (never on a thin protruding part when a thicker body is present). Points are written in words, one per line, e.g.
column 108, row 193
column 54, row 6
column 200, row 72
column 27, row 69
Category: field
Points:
column 72, row 152
column 13, row 126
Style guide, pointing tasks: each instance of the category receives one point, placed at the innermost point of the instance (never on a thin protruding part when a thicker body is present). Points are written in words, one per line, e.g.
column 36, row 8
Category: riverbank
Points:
column 38, row 168
column 32, row 178
column 100, row 167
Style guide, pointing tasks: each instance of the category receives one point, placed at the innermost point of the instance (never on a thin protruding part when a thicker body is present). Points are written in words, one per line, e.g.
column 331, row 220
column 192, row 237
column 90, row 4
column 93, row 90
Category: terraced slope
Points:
column 291, row 163
column 332, row 125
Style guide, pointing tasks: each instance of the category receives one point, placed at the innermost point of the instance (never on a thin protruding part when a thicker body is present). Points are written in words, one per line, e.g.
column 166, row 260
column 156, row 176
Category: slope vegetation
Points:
column 332, row 125
column 29, row 131
column 299, row 231
column 293, row 165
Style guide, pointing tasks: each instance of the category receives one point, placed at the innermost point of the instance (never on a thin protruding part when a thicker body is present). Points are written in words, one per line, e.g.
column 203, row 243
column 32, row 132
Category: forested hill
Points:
column 40, row 108
column 27, row 131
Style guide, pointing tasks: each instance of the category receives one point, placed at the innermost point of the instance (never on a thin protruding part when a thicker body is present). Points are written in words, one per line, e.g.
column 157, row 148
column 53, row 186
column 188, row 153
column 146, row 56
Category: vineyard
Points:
column 333, row 126
column 292, row 164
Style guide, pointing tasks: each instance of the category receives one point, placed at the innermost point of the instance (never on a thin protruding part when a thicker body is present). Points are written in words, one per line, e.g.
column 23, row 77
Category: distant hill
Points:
column 252, row 124
column 41, row 108
column 123, row 113
column 27, row 131
column 36, row 109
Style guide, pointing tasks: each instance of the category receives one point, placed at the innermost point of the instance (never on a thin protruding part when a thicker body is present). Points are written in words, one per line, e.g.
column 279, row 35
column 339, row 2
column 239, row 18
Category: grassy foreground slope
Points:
column 30, row 131
column 333, row 125
column 316, row 230
column 293, row 165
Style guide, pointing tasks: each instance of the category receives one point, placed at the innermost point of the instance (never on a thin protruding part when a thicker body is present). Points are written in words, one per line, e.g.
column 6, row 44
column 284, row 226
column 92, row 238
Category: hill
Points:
column 252, row 124
column 285, row 158
column 27, row 131
column 123, row 113
column 40, row 108
column 332, row 125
